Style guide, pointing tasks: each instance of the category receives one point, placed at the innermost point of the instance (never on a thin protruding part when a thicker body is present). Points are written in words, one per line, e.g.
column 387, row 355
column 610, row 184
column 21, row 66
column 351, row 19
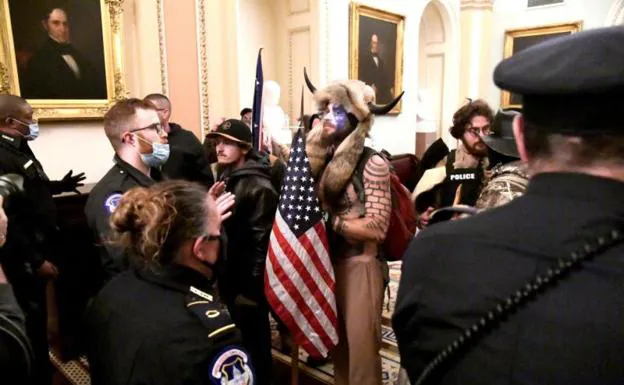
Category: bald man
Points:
column 29, row 248
column 187, row 160
column 58, row 70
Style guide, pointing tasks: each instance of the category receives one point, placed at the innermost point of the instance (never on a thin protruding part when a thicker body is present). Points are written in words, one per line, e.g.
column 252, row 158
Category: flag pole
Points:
column 294, row 351
column 294, row 364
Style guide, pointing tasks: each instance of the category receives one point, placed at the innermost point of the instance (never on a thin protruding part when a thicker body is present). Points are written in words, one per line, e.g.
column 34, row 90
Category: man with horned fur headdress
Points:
column 356, row 229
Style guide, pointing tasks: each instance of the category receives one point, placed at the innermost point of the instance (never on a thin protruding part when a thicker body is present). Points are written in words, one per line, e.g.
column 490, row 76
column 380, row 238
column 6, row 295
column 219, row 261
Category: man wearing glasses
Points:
column 464, row 166
column 140, row 143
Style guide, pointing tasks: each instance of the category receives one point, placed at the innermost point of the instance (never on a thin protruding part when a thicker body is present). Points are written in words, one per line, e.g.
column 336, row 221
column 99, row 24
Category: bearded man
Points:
column 355, row 228
column 465, row 166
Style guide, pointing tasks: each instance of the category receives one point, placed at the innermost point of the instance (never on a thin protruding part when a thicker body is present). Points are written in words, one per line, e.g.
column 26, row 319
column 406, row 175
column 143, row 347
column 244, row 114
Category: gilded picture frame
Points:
column 110, row 76
column 376, row 51
column 518, row 39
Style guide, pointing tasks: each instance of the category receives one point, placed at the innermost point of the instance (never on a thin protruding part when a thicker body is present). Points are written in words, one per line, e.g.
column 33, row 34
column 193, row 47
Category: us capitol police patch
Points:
column 112, row 202
column 232, row 367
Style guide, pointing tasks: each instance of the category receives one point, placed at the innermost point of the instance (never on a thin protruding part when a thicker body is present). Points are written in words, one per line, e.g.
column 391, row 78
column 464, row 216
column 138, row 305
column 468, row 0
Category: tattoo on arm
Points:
column 378, row 203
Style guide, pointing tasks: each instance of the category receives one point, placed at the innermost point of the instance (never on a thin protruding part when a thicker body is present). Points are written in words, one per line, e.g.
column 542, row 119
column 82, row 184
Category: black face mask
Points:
column 218, row 266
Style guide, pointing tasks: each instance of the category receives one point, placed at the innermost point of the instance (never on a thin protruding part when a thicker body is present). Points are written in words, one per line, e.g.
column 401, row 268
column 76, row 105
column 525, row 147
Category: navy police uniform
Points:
column 30, row 241
column 163, row 326
column 103, row 200
column 454, row 273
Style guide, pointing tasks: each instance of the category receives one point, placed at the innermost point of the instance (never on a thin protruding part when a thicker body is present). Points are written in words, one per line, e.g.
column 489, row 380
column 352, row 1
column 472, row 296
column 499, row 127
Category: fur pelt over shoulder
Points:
column 358, row 99
column 334, row 175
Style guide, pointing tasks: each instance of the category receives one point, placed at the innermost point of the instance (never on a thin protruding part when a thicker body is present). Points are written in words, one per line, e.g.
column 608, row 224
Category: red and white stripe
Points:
column 300, row 285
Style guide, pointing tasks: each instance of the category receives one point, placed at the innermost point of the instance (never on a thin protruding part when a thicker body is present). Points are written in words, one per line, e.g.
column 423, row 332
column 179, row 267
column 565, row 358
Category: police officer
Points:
column 29, row 249
column 161, row 322
column 462, row 279
column 140, row 143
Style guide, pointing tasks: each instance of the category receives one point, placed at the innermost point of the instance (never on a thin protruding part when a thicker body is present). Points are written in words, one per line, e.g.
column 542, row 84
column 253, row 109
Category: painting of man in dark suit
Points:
column 50, row 64
column 377, row 52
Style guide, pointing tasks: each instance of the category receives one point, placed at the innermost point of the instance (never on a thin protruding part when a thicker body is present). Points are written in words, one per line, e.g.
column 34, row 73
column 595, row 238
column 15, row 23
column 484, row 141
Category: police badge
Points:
column 232, row 367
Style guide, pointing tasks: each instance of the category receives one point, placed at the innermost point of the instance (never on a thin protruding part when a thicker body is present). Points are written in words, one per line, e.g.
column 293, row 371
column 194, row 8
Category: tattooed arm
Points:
column 378, row 203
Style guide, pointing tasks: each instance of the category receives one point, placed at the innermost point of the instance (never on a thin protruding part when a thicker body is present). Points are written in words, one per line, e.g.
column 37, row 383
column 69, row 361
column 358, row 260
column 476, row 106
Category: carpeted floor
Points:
column 76, row 372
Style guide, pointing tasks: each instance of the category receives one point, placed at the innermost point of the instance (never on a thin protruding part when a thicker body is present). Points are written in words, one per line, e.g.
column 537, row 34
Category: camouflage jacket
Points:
column 505, row 183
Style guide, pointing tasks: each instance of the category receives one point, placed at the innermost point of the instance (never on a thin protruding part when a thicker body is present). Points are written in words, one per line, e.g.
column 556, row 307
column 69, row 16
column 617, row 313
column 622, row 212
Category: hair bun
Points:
column 126, row 217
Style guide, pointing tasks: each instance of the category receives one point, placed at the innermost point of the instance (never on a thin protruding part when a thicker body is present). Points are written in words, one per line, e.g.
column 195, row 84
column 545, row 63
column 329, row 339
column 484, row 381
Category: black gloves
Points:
column 69, row 183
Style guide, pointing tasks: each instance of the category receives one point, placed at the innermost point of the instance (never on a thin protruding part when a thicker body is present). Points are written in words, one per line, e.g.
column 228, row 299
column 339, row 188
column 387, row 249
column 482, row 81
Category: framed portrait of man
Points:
column 517, row 40
column 376, row 51
column 63, row 56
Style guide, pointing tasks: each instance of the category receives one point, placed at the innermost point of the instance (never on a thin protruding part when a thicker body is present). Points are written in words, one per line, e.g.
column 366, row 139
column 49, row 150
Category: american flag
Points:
column 299, row 281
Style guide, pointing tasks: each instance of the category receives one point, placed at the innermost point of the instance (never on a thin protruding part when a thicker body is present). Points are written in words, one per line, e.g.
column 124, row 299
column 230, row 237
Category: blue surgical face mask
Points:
column 33, row 130
column 159, row 155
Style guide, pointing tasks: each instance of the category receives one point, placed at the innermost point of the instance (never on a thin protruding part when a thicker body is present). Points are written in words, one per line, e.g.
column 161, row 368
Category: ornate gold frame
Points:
column 70, row 109
column 511, row 35
column 357, row 10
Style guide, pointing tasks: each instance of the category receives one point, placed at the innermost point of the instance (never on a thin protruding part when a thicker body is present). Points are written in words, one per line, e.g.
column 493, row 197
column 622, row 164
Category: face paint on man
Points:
column 335, row 118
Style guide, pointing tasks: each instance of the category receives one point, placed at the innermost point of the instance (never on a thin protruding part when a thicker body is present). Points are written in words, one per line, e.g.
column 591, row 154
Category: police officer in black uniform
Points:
column 29, row 250
column 188, row 160
column 141, row 148
column 161, row 322
column 471, row 287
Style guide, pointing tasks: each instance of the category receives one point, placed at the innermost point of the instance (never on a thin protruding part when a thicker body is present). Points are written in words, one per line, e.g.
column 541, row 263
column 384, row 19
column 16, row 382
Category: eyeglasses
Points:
column 211, row 237
column 480, row 131
column 156, row 126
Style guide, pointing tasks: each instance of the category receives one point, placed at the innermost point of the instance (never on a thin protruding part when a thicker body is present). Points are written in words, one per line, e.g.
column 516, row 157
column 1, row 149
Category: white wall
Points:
column 513, row 14
column 257, row 23
column 393, row 133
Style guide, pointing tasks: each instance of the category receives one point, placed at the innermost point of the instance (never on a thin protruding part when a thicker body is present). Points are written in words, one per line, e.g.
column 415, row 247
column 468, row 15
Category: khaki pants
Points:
column 359, row 297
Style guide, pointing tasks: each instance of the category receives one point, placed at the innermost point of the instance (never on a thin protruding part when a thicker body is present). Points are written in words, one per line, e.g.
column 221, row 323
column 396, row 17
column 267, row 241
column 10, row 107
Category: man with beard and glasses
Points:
column 247, row 175
column 140, row 143
column 464, row 166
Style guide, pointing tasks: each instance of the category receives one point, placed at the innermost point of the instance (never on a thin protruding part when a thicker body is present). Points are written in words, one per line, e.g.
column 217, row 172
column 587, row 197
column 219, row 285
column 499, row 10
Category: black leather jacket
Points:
column 248, row 230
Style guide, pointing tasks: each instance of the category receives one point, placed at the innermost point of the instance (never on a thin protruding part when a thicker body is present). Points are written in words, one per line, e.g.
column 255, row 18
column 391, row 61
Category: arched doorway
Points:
column 616, row 14
column 437, row 76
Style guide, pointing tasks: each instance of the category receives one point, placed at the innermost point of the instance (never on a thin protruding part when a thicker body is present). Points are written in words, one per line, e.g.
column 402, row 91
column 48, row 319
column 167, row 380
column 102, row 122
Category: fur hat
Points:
column 358, row 100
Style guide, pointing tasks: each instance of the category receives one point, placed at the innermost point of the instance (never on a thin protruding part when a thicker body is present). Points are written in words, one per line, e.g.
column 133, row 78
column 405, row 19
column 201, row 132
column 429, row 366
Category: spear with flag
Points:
column 256, row 114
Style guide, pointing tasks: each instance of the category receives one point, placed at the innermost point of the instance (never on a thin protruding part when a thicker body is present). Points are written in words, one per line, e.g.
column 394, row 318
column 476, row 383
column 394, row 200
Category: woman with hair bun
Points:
column 161, row 322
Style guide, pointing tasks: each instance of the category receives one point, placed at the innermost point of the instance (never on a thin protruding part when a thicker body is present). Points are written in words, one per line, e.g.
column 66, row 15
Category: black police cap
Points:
column 571, row 85
column 233, row 129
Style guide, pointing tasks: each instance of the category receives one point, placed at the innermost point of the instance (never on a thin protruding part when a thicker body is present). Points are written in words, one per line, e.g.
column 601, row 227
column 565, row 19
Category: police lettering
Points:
column 468, row 176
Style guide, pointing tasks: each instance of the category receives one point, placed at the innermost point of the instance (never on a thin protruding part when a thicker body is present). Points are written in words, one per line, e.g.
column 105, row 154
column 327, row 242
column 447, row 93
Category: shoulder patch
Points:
column 112, row 202
column 231, row 366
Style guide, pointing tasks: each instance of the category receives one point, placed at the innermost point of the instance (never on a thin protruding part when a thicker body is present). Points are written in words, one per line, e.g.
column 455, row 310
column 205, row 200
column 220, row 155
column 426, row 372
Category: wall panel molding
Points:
column 298, row 6
column 202, row 57
column 301, row 39
column 164, row 79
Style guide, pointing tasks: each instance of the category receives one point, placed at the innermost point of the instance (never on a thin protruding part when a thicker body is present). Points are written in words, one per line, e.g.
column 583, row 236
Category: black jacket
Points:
column 16, row 356
column 49, row 77
column 453, row 273
column 32, row 216
column 248, row 230
column 161, row 327
column 187, row 159
column 103, row 200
